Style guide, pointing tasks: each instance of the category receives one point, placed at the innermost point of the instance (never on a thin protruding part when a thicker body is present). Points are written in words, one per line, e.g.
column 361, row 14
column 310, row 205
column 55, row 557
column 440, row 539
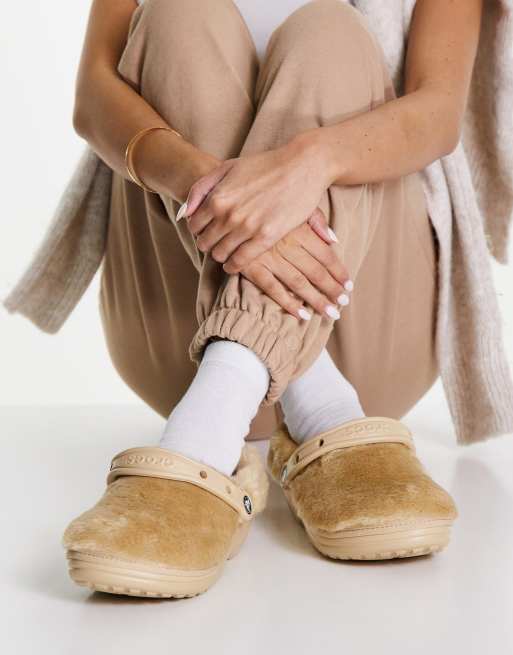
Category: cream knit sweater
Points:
column 470, row 199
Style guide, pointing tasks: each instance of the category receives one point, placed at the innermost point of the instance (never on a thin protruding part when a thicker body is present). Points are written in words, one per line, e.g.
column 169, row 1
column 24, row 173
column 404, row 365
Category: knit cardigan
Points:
column 469, row 196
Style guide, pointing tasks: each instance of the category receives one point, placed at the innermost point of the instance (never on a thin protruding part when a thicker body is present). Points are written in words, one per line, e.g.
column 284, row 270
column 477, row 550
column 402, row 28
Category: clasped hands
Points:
column 258, row 215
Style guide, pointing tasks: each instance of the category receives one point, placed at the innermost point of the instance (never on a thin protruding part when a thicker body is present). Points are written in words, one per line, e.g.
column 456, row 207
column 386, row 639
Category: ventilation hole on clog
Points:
column 203, row 474
column 228, row 490
column 297, row 459
column 321, row 443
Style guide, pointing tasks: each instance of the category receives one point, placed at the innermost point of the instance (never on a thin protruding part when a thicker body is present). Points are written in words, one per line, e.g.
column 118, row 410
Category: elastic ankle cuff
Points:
column 276, row 339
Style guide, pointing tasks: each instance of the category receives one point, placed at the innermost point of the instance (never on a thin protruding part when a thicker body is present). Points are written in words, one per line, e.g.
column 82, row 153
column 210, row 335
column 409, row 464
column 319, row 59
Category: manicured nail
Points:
column 343, row 299
column 348, row 285
column 332, row 312
column 332, row 235
column 302, row 313
column 181, row 211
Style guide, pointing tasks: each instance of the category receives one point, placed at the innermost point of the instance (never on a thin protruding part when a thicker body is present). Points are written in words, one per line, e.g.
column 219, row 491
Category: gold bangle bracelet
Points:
column 129, row 164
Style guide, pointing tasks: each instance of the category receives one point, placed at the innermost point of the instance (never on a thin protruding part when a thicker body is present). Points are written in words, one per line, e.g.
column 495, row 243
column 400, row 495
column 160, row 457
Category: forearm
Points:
column 397, row 138
column 108, row 113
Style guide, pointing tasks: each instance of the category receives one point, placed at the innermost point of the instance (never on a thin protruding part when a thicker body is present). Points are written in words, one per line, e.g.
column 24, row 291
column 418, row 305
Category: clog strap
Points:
column 354, row 433
column 162, row 463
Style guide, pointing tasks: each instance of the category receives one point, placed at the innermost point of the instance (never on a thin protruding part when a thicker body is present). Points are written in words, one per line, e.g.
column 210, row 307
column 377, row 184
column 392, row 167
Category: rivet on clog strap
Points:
column 363, row 431
column 162, row 463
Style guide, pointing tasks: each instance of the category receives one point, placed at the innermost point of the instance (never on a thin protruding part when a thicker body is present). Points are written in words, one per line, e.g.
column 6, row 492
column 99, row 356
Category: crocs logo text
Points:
column 131, row 460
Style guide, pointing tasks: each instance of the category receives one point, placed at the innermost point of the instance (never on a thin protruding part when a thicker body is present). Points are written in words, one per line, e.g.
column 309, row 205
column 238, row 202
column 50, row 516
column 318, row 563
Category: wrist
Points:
column 170, row 165
column 317, row 145
column 194, row 165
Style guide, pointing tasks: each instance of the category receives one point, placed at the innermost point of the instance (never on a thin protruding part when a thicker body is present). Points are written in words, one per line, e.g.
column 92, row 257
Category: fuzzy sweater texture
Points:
column 470, row 201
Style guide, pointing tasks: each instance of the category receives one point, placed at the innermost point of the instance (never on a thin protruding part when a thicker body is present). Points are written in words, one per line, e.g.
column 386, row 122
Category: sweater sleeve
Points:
column 488, row 128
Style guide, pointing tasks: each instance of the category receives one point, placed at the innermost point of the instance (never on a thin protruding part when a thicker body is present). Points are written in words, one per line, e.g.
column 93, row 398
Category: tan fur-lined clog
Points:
column 361, row 493
column 165, row 525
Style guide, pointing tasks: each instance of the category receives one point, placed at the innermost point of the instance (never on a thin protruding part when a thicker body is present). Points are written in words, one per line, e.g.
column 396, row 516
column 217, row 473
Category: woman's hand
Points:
column 302, row 268
column 243, row 207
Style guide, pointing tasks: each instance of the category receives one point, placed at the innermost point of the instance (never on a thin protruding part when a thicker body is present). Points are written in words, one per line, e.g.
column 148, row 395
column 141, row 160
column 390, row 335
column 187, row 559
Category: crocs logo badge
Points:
column 247, row 504
column 130, row 460
column 371, row 426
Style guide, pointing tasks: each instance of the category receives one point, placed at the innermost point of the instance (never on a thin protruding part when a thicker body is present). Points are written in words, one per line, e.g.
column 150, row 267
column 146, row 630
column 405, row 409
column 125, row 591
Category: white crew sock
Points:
column 212, row 419
column 319, row 400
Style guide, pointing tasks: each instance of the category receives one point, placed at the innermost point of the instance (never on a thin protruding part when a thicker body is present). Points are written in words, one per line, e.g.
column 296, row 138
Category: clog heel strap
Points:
column 162, row 463
column 354, row 433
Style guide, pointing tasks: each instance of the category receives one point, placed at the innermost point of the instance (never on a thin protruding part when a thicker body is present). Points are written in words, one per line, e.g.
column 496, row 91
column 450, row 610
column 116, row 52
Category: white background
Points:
column 278, row 595
column 41, row 44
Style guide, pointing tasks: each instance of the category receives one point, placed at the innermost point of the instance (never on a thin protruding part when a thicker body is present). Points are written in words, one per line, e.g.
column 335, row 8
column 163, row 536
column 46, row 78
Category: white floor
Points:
column 278, row 596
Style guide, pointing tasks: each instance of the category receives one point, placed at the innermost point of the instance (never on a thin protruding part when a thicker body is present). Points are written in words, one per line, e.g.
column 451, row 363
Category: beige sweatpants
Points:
column 162, row 300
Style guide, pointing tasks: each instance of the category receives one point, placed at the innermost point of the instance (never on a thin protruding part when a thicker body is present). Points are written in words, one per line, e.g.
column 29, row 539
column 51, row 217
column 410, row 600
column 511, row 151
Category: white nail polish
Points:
column 348, row 285
column 332, row 312
column 343, row 300
column 181, row 211
column 306, row 316
column 332, row 235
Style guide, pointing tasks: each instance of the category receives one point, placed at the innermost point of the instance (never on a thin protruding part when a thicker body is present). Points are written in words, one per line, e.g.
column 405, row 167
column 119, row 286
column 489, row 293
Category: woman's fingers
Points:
column 226, row 246
column 291, row 276
column 201, row 220
column 214, row 232
column 224, row 234
column 241, row 252
column 324, row 254
column 202, row 187
column 267, row 282
column 296, row 281
column 320, row 226
column 315, row 272
column 204, row 202
column 264, row 238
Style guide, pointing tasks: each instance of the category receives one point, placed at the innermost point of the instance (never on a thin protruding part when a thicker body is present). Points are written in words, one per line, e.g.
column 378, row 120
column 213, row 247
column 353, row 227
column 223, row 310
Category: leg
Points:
column 329, row 43
column 237, row 310
column 386, row 238
column 321, row 66
column 195, row 63
column 389, row 366
column 385, row 343
column 358, row 488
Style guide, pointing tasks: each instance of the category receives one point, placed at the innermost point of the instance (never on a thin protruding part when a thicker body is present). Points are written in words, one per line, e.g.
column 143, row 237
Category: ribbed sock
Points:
column 319, row 400
column 212, row 419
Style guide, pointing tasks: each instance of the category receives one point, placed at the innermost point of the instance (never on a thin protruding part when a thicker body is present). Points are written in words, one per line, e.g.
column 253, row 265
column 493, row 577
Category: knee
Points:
column 167, row 14
column 326, row 14
column 328, row 48
column 167, row 29
column 327, row 26
column 179, row 16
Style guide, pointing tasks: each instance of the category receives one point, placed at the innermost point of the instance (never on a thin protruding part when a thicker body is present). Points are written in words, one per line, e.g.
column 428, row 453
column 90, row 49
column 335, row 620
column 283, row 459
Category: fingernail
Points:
column 348, row 285
column 181, row 211
column 343, row 299
column 332, row 312
column 306, row 316
column 332, row 235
